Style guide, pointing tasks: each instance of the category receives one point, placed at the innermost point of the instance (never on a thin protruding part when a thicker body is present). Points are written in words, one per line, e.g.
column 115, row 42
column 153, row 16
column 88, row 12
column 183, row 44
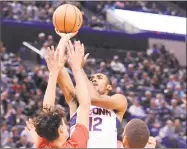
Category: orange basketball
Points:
column 67, row 18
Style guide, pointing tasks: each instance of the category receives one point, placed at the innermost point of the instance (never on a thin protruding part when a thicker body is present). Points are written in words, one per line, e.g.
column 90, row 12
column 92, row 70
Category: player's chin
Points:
column 96, row 88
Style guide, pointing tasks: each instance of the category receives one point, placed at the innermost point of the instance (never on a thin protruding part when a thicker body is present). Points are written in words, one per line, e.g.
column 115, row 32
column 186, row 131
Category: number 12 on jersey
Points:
column 95, row 123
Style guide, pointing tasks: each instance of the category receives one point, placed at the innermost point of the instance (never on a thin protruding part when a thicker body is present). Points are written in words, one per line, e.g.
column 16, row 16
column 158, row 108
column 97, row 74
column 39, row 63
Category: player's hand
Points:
column 74, row 56
column 29, row 125
column 151, row 143
column 64, row 35
column 82, row 50
column 31, row 130
column 54, row 62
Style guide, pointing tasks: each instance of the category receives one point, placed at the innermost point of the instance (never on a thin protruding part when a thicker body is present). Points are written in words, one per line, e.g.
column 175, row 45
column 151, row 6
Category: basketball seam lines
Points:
column 65, row 19
column 75, row 18
column 56, row 23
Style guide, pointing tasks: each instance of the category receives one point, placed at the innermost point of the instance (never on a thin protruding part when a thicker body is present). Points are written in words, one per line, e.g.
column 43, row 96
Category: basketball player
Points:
column 136, row 135
column 49, row 124
column 106, row 111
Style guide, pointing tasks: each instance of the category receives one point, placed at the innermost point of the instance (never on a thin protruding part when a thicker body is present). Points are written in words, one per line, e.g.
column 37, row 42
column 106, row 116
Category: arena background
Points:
column 145, row 58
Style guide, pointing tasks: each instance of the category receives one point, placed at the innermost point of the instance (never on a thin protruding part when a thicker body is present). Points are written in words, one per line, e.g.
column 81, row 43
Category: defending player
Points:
column 107, row 111
column 136, row 135
column 49, row 124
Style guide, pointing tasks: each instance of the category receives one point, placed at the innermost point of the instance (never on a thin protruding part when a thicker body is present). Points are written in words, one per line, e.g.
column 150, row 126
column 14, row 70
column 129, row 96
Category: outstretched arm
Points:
column 66, row 85
column 64, row 81
column 54, row 64
column 75, row 60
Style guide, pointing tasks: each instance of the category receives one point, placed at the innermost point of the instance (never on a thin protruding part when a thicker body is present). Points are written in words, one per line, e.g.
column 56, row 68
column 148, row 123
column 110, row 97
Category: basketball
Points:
column 67, row 18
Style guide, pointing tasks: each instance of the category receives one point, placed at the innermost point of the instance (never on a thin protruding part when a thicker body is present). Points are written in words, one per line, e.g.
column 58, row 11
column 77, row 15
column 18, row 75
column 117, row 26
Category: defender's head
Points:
column 101, row 83
column 50, row 125
column 136, row 134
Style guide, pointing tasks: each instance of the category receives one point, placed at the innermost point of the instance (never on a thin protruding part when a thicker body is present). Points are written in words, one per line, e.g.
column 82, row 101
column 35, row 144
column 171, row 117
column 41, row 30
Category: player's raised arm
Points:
column 64, row 81
column 54, row 64
column 75, row 62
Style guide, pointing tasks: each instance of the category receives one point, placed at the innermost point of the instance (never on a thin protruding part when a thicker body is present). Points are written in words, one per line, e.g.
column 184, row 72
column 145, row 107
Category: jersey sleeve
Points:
column 79, row 137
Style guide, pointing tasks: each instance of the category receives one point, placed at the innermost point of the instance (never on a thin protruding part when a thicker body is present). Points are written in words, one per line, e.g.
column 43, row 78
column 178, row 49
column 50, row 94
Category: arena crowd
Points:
column 94, row 13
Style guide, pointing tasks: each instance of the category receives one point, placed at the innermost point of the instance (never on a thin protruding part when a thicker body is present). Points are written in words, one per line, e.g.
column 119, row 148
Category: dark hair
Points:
column 137, row 133
column 47, row 123
column 109, row 80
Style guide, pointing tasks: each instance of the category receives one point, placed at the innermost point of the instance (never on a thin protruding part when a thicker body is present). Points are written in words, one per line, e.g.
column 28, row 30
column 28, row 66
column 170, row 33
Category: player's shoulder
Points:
column 119, row 97
column 81, row 126
column 81, row 130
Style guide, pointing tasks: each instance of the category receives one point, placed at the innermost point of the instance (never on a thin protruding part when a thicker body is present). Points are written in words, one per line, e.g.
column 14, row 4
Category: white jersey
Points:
column 102, row 128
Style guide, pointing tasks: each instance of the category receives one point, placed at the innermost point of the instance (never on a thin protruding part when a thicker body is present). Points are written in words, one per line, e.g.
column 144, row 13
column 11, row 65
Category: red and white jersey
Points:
column 80, row 131
column 102, row 128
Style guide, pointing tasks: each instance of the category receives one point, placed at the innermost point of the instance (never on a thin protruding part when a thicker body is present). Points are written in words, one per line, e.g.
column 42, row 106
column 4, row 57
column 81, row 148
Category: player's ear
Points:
column 125, row 142
column 109, row 88
column 60, row 129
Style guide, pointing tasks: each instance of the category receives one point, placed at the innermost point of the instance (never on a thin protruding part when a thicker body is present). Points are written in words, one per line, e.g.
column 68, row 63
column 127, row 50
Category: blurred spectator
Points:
column 15, row 134
column 175, row 109
column 10, row 116
column 44, row 48
column 23, row 143
column 168, row 92
column 26, row 134
column 40, row 40
column 164, row 111
column 43, row 52
column 128, row 59
column 153, row 123
column 4, row 134
column 96, row 23
column 179, row 130
column 136, row 109
column 131, row 98
column 179, row 91
column 152, row 107
column 172, row 81
column 50, row 40
column 17, row 102
column 4, row 102
column 168, row 130
column 130, row 71
column 146, row 100
column 159, row 98
column 116, row 65
column 20, row 117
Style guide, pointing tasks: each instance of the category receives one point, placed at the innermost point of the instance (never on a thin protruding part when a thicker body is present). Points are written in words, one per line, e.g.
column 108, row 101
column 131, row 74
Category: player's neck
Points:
column 106, row 93
column 58, row 142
